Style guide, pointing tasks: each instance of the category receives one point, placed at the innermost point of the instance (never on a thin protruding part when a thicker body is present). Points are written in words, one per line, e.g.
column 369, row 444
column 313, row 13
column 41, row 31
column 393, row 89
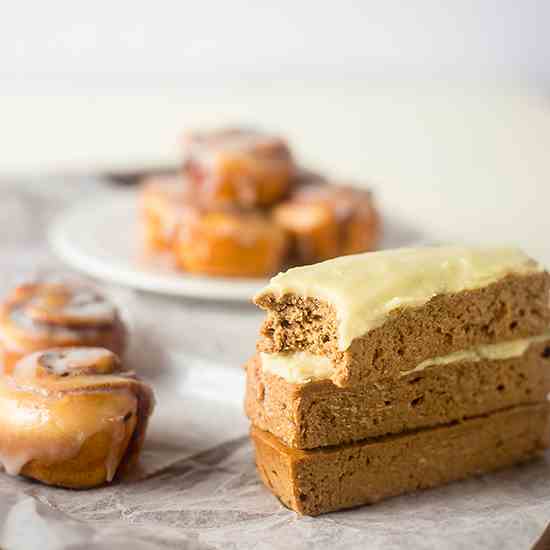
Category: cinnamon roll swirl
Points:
column 51, row 313
column 72, row 417
column 239, row 166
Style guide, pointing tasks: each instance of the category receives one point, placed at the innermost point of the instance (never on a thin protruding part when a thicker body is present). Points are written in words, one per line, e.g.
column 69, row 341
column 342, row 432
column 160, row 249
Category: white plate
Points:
column 101, row 237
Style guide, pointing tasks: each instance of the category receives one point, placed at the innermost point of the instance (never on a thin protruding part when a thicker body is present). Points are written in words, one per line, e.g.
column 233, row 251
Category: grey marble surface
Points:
column 198, row 488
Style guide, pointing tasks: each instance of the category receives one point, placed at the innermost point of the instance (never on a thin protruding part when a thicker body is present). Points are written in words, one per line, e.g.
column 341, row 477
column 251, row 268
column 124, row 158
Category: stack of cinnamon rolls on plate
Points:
column 242, row 207
column 71, row 414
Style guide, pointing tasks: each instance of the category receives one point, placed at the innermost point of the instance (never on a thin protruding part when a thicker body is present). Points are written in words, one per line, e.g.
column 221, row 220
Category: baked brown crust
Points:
column 57, row 313
column 332, row 478
column 517, row 306
column 319, row 413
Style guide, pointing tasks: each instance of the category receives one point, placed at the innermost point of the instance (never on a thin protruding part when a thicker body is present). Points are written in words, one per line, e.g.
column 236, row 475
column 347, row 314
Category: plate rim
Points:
column 191, row 286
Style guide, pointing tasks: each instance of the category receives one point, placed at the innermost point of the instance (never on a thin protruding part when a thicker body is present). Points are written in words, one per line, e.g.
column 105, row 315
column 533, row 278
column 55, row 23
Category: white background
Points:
column 441, row 105
column 86, row 84
column 139, row 43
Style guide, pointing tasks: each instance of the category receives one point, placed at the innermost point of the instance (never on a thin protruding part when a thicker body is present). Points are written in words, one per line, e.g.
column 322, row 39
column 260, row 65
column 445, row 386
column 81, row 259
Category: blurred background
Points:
column 442, row 107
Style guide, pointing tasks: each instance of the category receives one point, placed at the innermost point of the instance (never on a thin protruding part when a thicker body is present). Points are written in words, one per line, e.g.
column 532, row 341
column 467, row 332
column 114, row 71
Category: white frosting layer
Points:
column 303, row 367
column 365, row 288
column 490, row 352
column 299, row 367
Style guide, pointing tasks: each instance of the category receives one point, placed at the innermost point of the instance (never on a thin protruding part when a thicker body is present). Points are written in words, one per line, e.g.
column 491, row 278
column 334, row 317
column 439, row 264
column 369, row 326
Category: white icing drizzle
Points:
column 38, row 422
column 61, row 360
column 206, row 152
column 81, row 303
column 118, row 433
column 13, row 463
column 365, row 288
column 99, row 310
column 48, row 429
column 20, row 316
column 58, row 313
column 206, row 147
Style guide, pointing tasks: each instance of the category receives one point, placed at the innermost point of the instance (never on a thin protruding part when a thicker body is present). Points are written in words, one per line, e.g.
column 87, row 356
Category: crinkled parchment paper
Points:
column 197, row 487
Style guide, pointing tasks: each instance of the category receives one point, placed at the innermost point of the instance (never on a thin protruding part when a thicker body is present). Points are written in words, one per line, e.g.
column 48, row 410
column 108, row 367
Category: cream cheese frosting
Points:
column 298, row 367
column 302, row 367
column 365, row 288
column 489, row 352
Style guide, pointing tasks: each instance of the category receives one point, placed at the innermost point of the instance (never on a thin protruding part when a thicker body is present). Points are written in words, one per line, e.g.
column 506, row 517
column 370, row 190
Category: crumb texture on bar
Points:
column 333, row 478
column 319, row 413
column 516, row 306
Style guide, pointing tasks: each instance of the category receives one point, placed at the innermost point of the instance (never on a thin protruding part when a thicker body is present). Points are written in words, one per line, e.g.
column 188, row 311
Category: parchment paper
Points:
column 197, row 487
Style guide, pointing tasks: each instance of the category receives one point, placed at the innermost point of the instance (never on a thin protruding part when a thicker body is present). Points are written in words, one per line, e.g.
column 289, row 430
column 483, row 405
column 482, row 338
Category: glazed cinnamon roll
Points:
column 230, row 243
column 325, row 221
column 72, row 417
column 51, row 313
column 239, row 167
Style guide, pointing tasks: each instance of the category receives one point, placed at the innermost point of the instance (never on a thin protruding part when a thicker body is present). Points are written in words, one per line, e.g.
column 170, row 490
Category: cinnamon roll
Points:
column 238, row 166
column 52, row 313
column 72, row 417
column 230, row 242
column 325, row 221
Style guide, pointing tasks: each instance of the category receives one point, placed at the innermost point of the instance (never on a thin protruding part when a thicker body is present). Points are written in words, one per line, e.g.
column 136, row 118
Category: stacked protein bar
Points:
column 386, row 372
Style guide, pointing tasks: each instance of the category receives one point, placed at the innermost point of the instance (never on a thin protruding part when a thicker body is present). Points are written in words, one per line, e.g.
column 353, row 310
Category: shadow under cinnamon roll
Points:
column 72, row 417
column 47, row 314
